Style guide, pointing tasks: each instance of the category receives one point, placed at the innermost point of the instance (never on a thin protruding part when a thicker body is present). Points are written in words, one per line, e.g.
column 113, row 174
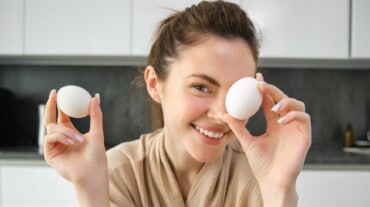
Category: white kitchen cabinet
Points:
column 360, row 47
column 333, row 188
column 300, row 28
column 147, row 15
column 11, row 27
column 23, row 186
column 70, row 27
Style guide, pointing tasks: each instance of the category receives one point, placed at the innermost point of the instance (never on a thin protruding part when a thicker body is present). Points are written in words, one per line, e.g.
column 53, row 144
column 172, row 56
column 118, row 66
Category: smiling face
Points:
column 194, row 93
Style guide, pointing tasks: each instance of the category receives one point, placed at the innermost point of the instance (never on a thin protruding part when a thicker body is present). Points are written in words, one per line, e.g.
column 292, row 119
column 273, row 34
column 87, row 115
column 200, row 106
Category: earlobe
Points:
column 152, row 83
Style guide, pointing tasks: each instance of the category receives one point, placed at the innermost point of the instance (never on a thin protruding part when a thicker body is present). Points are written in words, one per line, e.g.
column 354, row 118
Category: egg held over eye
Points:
column 74, row 101
column 243, row 98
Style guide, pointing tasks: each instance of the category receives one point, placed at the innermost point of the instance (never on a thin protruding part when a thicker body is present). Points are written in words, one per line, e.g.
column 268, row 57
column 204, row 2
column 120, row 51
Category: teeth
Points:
column 209, row 133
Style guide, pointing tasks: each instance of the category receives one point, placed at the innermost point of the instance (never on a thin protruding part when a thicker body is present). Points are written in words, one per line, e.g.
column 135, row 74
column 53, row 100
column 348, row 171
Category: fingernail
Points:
column 51, row 92
column 281, row 120
column 70, row 140
column 276, row 107
column 97, row 95
column 79, row 138
column 260, row 76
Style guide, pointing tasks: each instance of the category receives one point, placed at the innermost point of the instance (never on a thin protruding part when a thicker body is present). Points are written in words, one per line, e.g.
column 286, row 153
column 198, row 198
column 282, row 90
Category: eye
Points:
column 202, row 88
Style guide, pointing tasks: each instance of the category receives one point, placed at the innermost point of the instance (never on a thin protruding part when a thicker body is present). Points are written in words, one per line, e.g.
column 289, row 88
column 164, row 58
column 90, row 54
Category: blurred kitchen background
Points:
column 316, row 51
column 333, row 97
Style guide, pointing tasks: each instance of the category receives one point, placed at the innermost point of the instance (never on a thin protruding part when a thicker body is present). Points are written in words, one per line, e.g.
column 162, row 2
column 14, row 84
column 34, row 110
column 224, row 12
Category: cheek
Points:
column 195, row 106
column 187, row 107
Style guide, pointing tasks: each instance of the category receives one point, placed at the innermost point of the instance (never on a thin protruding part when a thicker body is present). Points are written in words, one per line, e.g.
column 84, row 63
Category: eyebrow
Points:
column 205, row 77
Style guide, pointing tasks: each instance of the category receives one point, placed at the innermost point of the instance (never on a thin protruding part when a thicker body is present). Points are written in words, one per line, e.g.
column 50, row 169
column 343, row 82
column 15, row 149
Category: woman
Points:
column 198, row 155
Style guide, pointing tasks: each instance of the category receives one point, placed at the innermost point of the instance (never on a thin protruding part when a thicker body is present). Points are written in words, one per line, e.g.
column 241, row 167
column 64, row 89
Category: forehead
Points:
column 220, row 58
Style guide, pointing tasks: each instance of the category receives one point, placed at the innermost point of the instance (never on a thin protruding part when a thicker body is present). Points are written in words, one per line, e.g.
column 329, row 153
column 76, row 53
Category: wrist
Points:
column 274, row 195
column 93, row 191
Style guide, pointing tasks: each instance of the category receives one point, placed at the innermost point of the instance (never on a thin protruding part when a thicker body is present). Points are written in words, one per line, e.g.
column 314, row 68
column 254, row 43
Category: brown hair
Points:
column 188, row 27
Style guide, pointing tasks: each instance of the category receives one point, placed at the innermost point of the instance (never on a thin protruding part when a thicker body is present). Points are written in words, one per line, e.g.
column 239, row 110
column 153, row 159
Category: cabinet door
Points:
column 300, row 28
column 360, row 29
column 333, row 188
column 72, row 27
column 11, row 27
column 34, row 186
column 147, row 14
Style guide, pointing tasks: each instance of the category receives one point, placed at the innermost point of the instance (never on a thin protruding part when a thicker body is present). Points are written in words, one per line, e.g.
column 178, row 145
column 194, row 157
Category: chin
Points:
column 208, row 157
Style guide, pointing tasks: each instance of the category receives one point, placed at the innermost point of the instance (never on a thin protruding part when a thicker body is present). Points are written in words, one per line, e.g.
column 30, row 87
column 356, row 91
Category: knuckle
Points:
column 294, row 114
column 308, row 117
column 297, row 104
column 50, row 127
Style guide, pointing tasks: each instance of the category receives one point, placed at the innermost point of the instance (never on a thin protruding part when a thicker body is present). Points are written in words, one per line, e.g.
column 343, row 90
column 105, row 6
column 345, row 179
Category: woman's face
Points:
column 194, row 93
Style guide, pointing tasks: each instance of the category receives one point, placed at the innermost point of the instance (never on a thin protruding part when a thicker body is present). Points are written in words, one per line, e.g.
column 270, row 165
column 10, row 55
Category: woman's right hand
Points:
column 80, row 158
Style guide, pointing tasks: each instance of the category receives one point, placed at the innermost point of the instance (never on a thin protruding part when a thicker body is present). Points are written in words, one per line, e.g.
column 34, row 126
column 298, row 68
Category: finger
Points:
column 68, row 132
column 259, row 77
column 96, row 118
column 273, row 91
column 295, row 116
column 267, row 101
column 65, row 120
column 267, row 105
column 50, row 109
column 238, row 128
column 62, row 117
column 51, row 139
column 288, row 104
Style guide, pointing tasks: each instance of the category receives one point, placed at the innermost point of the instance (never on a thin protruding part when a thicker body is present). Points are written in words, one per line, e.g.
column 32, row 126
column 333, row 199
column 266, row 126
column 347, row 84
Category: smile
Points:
column 209, row 134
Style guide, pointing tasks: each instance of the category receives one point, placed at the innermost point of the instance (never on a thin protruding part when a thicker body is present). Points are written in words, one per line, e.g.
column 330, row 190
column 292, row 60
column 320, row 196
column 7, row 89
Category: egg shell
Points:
column 243, row 98
column 74, row 101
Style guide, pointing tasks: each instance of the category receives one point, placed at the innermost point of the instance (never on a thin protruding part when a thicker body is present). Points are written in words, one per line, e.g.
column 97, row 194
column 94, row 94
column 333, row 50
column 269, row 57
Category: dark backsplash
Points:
column 333, row 98
column 125, row 107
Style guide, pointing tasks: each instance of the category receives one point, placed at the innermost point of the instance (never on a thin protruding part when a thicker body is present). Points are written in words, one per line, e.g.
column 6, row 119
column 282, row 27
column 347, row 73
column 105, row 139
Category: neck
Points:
column 185, row 167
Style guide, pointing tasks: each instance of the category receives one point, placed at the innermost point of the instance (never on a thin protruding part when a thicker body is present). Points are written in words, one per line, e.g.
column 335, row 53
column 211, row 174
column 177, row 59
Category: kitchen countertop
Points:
column 336, row 156
column 317, row 158
column 21, row 156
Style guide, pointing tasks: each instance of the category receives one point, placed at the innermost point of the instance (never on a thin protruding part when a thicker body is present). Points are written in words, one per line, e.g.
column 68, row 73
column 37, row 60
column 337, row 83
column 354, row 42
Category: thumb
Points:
column 238, row 127
column 96, row 118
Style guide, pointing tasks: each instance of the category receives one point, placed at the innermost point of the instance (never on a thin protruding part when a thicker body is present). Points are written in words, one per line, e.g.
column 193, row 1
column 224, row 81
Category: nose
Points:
column 216, row 107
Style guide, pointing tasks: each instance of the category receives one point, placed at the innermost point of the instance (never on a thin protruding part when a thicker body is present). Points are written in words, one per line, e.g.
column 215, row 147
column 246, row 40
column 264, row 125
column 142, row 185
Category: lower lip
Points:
column 208, row 140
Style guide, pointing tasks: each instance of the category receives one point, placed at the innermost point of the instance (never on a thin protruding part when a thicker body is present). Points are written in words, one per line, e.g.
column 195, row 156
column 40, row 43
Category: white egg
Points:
column 243, row 99
column 74, row 101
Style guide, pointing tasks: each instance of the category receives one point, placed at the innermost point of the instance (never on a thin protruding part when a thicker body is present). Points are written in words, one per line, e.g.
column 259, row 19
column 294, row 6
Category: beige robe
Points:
column 141, row 175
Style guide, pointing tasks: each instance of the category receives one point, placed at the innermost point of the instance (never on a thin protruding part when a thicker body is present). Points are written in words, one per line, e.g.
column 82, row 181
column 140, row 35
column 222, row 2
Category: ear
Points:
column 152, row 83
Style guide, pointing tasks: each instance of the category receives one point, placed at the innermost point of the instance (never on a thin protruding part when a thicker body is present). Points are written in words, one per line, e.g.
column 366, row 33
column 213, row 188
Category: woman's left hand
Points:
column 277, row 156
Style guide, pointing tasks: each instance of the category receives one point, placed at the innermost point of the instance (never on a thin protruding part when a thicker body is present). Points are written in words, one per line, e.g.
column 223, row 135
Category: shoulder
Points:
column 123, row 153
